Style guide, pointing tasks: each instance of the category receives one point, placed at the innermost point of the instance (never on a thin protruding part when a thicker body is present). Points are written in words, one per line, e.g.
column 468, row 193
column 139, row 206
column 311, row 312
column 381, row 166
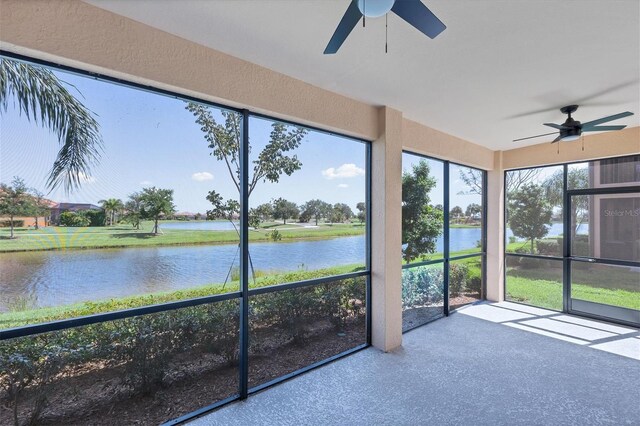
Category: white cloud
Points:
column 345, row 171
column 85, row 178
column 343, row 185
column 202, row 176
column 146, row 183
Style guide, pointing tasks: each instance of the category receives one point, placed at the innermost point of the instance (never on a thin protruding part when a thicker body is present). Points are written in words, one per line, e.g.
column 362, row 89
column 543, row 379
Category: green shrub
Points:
column 147, row 347
column 96, row 217
column 549, row 248
column 458, row 273
column 74, row 219
column 7, row 224
column 422, row 285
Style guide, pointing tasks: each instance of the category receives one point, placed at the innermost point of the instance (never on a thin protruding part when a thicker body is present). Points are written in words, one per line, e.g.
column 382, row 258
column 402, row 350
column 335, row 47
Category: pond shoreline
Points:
column 175, row 244
column 68, row 240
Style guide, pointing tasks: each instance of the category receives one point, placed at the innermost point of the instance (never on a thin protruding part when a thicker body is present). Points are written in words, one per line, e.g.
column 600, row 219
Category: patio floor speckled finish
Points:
column 487, row 364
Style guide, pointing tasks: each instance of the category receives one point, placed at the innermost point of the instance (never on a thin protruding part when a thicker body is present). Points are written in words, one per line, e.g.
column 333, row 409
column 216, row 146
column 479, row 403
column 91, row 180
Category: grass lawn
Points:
column 63, row 238
column 39, row 315
column 543, row 287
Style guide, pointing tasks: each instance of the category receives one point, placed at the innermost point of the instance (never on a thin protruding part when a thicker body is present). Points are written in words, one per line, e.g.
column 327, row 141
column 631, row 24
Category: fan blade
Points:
column 558, row 139
column 603, row 128
column 605, row 119
column 346, row 25
column 556, row 126
column 538, row 136
column 419, row 16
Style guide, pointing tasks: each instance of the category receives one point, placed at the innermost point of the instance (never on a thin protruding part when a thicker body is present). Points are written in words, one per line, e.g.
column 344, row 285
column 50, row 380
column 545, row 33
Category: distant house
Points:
column 30, row 221
column 60, row 208
column 184, row 216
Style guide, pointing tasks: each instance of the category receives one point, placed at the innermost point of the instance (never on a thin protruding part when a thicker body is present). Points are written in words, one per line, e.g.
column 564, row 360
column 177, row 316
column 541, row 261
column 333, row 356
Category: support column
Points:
column 386, row 238
column 495, row 230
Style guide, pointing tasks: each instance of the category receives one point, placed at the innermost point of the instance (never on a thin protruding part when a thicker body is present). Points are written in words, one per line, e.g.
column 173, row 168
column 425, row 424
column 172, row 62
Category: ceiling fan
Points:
column 412, row 11
column 571, row 129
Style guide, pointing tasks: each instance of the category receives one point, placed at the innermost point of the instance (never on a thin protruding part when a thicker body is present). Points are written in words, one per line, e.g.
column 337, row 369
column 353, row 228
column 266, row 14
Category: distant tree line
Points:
column 18, row 200
column 312, row 211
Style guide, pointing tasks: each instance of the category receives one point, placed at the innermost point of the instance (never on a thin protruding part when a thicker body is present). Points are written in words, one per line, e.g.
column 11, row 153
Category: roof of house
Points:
column 76, row 206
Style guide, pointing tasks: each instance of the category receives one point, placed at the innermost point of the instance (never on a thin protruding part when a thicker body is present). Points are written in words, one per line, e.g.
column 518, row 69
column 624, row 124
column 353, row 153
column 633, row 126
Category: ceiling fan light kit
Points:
column 571, row 129
column 412, row 11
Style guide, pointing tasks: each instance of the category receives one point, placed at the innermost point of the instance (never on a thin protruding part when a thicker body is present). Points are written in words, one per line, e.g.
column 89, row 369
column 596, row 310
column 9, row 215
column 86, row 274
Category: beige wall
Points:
column 601, row 145
column 424, row 140
column 495, row 231
column 386, row 232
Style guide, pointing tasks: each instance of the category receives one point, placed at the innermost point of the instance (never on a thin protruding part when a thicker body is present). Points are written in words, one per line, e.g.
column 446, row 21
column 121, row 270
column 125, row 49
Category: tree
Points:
column 518, row 178
column 283, row 209
column 224, row 140
column 15, row 201
column 315, row 209
column 229, row 210
column 362, row 211
column 472, row 178
column 421, row 222
column 155, row 203
column 111, row 207
column 529, row 213
column 133, row 210
column 41, row 96
column 554, row 192
column 264, row 211
column 39, row 206
column 341, row 213
column 472, row 210
column 456, row 213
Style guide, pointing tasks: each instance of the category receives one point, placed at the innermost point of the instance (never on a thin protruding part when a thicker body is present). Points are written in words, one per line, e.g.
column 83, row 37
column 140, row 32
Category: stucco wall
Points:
column 601, row 145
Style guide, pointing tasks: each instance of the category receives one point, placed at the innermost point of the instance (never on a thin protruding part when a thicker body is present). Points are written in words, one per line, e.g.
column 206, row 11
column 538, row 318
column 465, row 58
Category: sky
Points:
column 152, row 140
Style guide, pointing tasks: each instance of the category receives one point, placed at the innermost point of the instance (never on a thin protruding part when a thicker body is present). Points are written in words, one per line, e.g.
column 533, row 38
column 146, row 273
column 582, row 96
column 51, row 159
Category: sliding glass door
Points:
column 573, row 238
column 604, row 253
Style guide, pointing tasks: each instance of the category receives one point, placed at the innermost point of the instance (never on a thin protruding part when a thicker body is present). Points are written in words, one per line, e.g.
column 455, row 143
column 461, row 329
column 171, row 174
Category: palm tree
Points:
column 41, row 96
column 111, row 207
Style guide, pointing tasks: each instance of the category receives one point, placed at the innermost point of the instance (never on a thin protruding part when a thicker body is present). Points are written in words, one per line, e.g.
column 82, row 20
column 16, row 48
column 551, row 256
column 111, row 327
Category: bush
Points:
column 422, row 285
column 522, row 250
column 96, row 217
column 74, row 219
column 458, row 275
column 7, row 224
column 147, row 349
column 549, row 248
column 581, row 248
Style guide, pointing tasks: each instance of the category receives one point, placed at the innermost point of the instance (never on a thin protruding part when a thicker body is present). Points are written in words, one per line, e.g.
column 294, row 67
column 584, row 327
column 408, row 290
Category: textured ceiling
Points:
column 486, row 78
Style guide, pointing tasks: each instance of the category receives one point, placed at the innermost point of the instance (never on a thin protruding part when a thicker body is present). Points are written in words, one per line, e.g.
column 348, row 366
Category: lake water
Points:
column 50, row 278
column 209, row 225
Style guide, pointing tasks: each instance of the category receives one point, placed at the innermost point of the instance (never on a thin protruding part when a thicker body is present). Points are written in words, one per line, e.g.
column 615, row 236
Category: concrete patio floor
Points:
column 487, row 364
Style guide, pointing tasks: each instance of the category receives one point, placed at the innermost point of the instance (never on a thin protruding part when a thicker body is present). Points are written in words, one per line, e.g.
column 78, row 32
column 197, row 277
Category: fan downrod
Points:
column 569, row 109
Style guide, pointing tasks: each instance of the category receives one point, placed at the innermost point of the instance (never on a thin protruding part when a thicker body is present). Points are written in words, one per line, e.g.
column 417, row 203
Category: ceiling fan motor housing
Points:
column 571, row 133
column 571, row 127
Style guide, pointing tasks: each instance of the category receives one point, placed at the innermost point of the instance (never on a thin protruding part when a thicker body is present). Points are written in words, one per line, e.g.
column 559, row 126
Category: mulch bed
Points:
column 98, row 396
